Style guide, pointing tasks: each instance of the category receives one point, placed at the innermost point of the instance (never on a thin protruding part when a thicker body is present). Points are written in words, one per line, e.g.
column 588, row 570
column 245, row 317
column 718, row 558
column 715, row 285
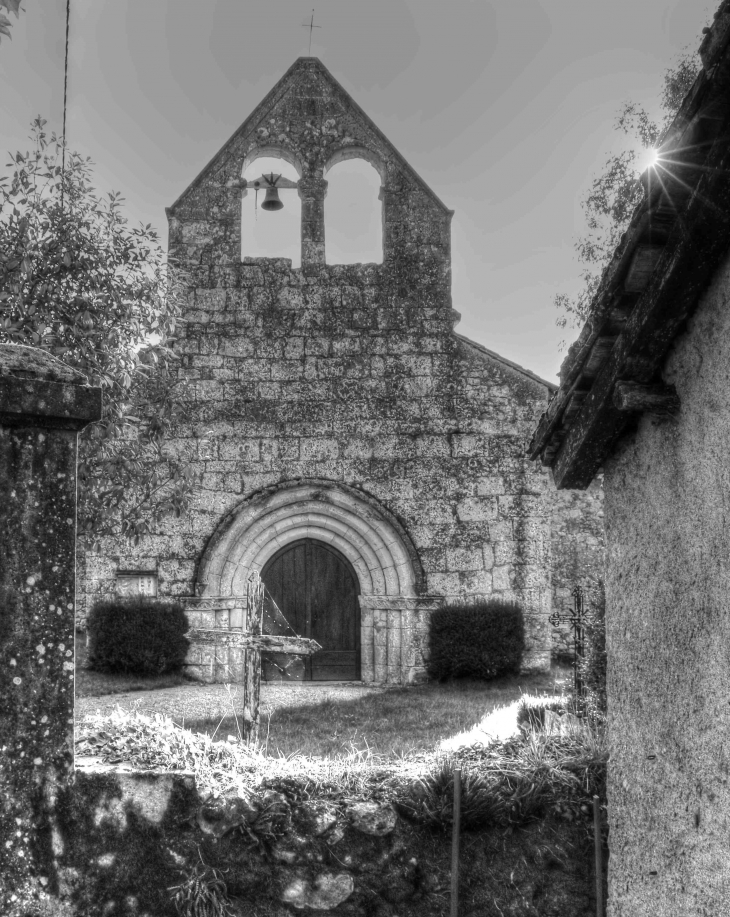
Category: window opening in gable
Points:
column 353, row 223
column 271, row 234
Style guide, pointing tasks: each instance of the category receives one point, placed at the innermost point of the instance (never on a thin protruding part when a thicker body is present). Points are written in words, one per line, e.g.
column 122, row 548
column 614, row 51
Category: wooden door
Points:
column 316, row 589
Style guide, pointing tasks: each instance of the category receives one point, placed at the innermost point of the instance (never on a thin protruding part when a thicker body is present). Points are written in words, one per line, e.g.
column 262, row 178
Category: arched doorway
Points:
column 317, row 591
column 386, row 568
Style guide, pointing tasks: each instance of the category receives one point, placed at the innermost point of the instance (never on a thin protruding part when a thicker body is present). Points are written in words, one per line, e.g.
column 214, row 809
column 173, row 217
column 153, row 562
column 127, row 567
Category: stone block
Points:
column 505, row 552
column 287, row 369
column 476, row 509
column 490, row 486
column 432, row 446
column 476, row 583
column 464, row 559
column 318, row 449
column 210, row 300
column 444, row 584
column 501, row 578
column 246, row 450
column 236, row 346
column 488, row 555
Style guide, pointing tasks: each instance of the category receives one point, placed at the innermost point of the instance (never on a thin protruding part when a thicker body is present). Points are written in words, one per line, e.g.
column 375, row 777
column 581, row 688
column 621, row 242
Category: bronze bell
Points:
column 271, row 201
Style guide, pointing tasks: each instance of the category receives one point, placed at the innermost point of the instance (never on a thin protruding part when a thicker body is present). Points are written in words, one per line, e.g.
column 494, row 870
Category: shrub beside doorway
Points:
column 137, row 635
column 484, row 639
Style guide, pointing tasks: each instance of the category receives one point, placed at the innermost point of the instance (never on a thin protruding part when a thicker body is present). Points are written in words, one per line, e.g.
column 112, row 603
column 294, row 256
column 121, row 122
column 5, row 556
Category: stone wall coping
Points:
column 93, row 764
column 36, row 387
column 36, row 363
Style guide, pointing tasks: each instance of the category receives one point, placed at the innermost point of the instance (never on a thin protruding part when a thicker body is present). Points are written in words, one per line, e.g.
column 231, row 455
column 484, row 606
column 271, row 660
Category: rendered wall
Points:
column 667, row 511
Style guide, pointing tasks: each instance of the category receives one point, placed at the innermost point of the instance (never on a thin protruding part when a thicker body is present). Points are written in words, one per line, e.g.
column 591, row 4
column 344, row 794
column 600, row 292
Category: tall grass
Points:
column 512, row 781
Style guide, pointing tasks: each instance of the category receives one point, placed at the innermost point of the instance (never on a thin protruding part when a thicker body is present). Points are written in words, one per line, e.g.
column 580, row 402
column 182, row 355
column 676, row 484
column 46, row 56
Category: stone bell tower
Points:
column 311, row 122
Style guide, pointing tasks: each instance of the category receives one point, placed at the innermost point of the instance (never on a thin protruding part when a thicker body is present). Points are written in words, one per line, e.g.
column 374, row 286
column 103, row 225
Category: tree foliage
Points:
column 615, row 193
column 76, row 281
column 12, row 6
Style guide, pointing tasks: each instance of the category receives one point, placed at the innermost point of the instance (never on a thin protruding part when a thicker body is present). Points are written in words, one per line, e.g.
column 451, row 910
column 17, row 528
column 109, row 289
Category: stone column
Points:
column 395, row 220
column 312, row 191
column 43, row 405
column 394, row 632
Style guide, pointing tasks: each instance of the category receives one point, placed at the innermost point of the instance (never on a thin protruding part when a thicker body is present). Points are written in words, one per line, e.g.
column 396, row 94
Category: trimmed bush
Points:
column 484, row 639
column 137, row 635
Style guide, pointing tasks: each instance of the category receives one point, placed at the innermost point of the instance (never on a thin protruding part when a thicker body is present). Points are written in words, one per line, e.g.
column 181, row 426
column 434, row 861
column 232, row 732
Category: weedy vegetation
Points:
column 202, row 893
column 531, row 774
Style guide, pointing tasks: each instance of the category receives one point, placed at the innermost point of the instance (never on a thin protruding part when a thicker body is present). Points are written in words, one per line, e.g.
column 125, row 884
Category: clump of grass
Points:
column 526, row 777
column 531, row 709
column 202, row 893
column 512, row 782
column 157, row 743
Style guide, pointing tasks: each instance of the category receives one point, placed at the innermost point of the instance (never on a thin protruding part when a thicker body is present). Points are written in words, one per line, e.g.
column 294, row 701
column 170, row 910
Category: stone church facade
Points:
column 333, row 412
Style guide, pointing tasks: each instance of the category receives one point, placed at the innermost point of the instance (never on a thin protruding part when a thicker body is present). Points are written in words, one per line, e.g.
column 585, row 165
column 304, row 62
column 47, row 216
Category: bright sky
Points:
column 504, row 108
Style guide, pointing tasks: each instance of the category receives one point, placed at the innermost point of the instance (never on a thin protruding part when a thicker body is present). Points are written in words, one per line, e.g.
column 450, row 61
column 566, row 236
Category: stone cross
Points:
column 245, row 636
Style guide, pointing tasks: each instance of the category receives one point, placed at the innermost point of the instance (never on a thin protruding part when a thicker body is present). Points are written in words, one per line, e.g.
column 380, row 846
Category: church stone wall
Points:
column 349, row 374
column 327, row 376
column 668, row 637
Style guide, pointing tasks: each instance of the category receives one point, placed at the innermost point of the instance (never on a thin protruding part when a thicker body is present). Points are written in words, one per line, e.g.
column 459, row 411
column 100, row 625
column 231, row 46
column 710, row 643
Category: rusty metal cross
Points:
column 310, row 25
column 576, row 619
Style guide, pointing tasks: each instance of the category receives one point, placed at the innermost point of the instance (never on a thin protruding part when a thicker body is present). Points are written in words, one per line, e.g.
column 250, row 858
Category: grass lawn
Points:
column 96, row 684
column 392, row 723
column 388, row 723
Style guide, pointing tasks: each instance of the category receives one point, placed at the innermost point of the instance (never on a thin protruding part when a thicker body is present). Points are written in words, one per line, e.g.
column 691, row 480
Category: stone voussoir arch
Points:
column 365, row 532
column 271, row 151
column 356, row 151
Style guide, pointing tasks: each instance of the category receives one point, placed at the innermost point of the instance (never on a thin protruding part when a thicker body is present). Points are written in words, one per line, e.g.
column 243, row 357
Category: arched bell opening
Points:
column 276, row 232
column 316, row 589
column 353, row 213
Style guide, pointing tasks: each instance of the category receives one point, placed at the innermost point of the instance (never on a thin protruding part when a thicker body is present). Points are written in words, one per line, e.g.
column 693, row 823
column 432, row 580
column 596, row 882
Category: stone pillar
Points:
column 395, row 220
column 394, row 631
column 43, row 405
column 312, row 191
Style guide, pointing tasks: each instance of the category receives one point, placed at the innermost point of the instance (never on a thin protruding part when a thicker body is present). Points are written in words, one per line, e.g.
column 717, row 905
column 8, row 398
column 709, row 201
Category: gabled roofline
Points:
column 551, row 386
column 270, row 99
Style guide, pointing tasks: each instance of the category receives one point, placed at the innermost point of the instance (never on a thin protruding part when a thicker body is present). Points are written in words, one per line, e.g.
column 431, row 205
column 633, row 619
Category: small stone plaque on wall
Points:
column 136, row 583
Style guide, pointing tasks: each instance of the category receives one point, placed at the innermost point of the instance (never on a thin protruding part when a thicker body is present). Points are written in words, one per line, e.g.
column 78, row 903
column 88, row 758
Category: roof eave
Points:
column 581, row 424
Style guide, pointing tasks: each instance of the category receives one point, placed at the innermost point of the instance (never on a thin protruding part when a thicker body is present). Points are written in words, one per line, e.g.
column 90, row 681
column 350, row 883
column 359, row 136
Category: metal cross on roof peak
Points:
column 310, row 25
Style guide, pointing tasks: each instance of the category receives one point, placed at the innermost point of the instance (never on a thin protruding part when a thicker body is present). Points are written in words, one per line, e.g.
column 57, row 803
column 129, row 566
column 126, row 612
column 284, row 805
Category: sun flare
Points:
column 647, row 159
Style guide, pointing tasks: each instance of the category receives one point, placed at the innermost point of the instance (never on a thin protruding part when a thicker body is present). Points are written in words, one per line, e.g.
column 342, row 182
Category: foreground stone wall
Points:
column 131, row 839
column 668, row 638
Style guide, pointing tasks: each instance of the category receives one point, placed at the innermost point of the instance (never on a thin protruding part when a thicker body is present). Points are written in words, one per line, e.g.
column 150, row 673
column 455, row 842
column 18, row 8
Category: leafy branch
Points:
column 12, row 6
column 617, row 190
column 78, row 282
